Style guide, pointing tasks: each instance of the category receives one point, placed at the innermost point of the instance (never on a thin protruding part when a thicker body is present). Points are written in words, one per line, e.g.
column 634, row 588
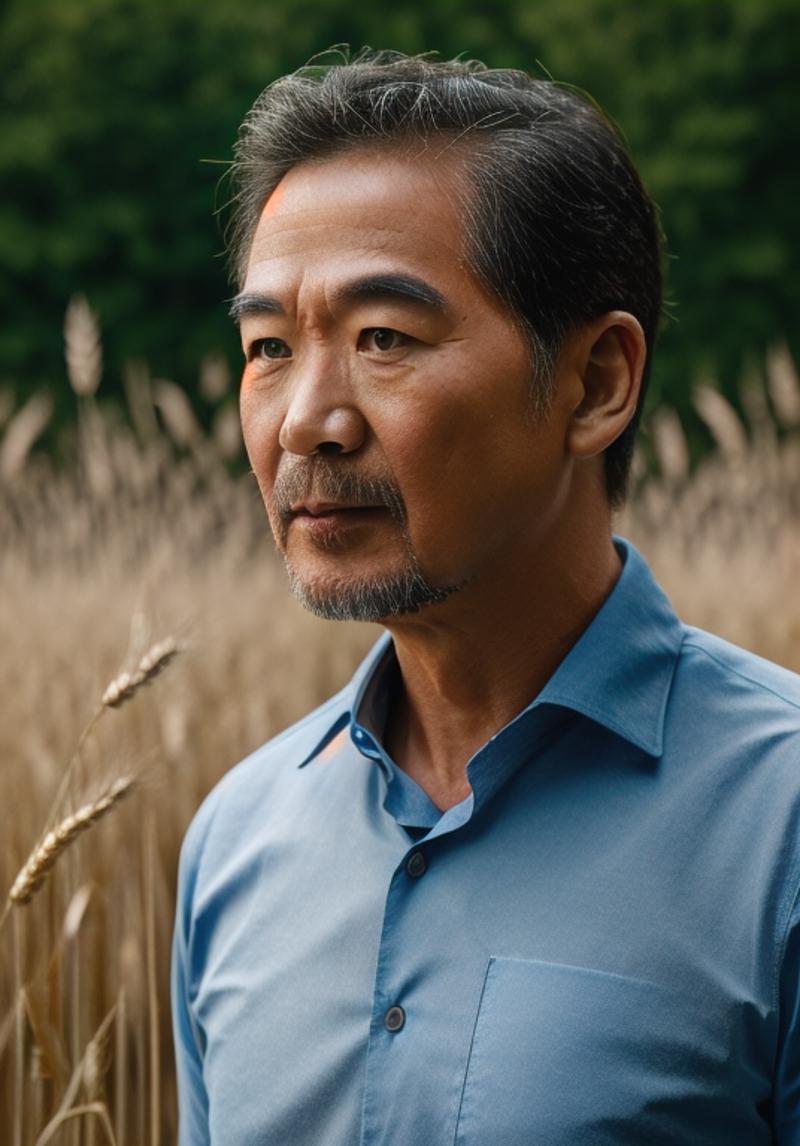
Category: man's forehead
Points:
column 396, row 184
column 273, row 203
column 366, row 233
column 360, row 209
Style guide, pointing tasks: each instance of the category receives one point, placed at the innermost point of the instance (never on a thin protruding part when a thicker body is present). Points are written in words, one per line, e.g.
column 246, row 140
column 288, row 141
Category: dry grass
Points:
column 146, row 534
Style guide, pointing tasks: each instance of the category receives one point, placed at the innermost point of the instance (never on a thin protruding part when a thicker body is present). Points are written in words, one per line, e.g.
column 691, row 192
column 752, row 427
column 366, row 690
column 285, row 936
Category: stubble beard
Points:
column 374, row 599
column 366, row 598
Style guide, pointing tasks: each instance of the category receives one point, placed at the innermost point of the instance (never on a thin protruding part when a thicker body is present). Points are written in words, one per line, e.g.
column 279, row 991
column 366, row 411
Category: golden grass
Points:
column 144, row 534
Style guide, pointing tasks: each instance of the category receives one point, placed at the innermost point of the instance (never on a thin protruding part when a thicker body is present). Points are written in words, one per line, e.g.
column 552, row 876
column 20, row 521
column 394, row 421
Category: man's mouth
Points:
column 329, row 523
column 331, row 509
column 332, row 506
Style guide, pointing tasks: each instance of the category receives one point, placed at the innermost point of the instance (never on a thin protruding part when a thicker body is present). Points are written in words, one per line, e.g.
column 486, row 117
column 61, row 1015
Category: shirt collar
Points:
column 618, row 673
column 620, row 670
column 344, row 706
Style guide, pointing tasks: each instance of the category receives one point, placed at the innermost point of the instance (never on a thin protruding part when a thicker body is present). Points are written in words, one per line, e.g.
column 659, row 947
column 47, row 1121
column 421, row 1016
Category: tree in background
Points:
column 112, row 110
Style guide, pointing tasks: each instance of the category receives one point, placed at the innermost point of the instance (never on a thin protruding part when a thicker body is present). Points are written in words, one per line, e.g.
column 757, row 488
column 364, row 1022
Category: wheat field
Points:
column 149, row 642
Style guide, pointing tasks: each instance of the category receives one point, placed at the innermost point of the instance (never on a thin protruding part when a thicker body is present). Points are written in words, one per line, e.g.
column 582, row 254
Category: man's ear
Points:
column 609, row 359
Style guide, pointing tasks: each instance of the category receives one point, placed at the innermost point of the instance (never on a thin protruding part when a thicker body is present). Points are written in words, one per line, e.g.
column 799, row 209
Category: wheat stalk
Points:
column 45, row 854
column 82, row 347
column 722, row 420
column 22, row 431
column 179, row 417
column 66, row 1110
column 121, row 688
column 215, row 377
column 784, row 385
column 670, row 444
column 152, row 663
column 152, row 992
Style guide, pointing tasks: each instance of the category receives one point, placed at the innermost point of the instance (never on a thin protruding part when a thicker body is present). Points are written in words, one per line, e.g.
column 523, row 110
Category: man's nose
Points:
column 322, row 416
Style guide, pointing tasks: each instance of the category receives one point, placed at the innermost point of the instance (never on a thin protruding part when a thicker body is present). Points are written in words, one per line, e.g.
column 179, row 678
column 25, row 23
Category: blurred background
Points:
column 128, row 517
column 119, row 116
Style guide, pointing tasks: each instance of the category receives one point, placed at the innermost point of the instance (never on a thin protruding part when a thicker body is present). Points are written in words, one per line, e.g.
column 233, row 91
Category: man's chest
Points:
column 540, row 979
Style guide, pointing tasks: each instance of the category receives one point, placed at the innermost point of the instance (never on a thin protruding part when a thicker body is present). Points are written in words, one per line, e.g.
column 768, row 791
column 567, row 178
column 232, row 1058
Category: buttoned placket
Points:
column 390, row 1020
column 392, row 1028
column 393, row 1023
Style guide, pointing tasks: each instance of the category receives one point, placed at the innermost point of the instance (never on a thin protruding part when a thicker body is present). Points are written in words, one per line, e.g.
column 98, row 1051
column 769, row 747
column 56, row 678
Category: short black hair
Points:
column 557, row 223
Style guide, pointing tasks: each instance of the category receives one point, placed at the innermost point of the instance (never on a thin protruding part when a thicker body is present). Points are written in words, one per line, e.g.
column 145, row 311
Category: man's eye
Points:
column 270, row 348
column 380, row 338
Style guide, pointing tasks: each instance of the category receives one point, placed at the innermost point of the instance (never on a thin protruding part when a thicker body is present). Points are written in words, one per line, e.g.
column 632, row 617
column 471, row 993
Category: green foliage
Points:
column 118, row 118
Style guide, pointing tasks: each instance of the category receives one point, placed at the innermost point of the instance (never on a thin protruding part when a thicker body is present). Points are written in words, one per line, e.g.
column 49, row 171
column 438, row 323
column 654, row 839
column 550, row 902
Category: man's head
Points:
column 557, row 222
column 509, row 228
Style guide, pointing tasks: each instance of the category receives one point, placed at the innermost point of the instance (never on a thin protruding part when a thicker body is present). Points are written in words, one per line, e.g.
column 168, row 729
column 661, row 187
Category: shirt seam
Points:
column 212, row 807
column 783, row 938
column 742, row 676
column 783, row 926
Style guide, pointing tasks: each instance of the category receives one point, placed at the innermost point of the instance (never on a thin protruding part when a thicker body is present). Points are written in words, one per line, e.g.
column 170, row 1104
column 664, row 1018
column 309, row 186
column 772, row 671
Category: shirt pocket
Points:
column 570, row 1056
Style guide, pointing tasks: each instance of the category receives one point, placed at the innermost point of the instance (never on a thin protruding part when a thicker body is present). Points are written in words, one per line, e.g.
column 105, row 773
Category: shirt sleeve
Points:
column 192, row 1096
column 786, row 1106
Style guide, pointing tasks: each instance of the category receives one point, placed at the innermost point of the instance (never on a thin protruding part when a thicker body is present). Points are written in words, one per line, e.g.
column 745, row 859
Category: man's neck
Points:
column 470, row 666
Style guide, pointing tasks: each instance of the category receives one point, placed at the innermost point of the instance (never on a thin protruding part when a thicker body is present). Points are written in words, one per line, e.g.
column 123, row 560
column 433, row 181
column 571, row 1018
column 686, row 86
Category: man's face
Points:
column 385, row 399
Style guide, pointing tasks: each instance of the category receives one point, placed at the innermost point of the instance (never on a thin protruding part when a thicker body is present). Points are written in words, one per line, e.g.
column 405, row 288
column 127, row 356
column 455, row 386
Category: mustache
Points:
column 324, row 480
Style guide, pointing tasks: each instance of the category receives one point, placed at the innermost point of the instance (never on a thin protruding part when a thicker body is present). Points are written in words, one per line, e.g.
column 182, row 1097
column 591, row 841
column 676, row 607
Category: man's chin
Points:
column 374, row 599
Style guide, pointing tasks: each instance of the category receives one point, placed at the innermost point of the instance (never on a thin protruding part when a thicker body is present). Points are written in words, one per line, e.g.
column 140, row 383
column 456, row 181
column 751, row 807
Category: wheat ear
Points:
column 46, row 853
column 82, row 347
column 122, row 688
column 126, row 684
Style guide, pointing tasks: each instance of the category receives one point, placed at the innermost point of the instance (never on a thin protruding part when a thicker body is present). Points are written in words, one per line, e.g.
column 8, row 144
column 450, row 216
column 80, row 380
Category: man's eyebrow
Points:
column 391, row 287
column 246, row 303
column 372, row 288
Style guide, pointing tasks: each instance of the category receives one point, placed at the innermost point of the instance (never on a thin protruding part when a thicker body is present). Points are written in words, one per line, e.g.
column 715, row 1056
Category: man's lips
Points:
column 328, row 523
column 328, row 508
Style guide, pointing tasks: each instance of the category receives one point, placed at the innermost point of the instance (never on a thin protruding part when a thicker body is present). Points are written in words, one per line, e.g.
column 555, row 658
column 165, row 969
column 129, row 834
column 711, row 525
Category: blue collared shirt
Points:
column 599, row 945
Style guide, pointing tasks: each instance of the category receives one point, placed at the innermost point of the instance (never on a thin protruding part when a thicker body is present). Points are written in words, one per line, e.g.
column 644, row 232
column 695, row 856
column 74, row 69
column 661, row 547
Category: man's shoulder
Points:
column 733, row 705
column 254, row 785
column 707, row 657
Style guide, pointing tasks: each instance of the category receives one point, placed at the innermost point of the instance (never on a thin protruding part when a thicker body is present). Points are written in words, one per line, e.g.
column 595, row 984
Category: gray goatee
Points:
column 357, row 599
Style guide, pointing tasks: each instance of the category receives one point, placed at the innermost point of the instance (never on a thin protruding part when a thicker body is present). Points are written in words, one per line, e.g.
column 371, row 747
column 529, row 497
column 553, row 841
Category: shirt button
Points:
column 394, row 1019
column 416, row 865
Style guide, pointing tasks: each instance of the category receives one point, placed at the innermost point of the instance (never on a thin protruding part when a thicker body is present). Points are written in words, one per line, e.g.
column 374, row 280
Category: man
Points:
column 532, row 876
